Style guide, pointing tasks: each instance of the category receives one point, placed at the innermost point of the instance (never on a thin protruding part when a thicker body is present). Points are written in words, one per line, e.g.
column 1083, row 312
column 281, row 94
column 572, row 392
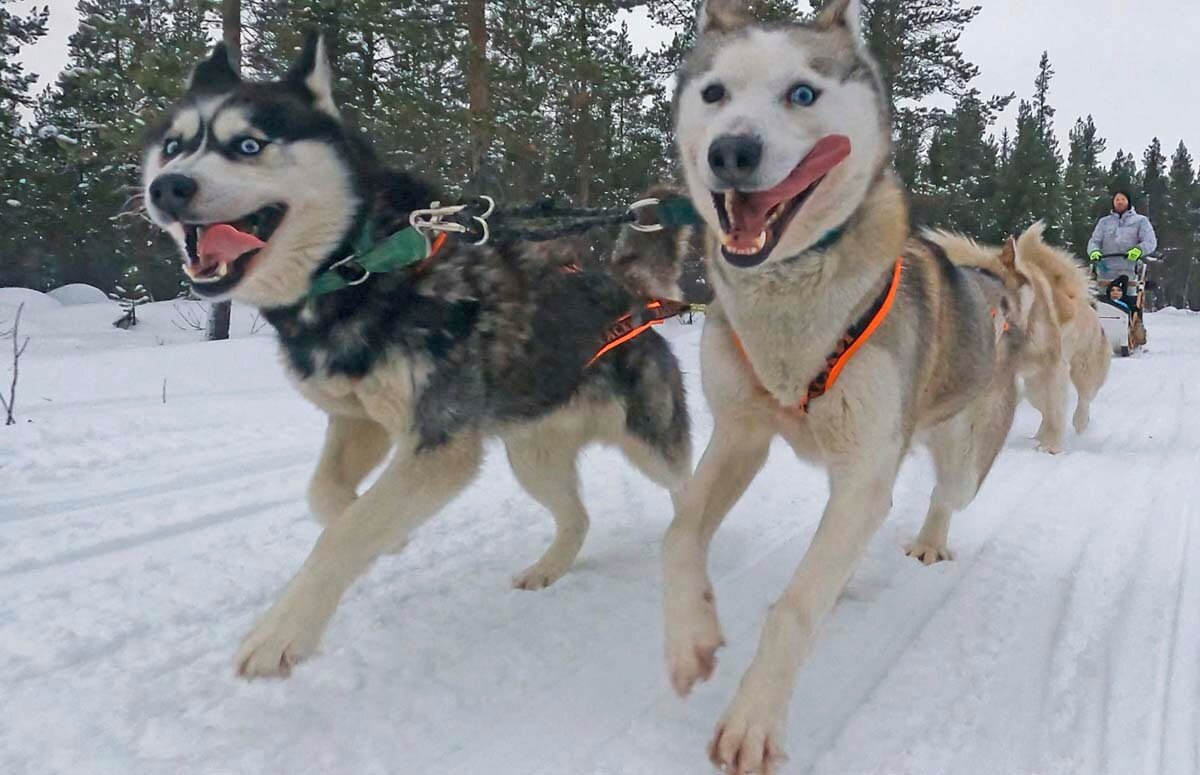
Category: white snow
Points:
column 141, row 539
column 11, row 298
column 78, row 293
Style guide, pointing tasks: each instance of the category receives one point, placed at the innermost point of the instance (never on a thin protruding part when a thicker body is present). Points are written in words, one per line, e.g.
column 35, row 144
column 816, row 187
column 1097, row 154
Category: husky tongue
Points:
column 223, row 244
column 750, row 210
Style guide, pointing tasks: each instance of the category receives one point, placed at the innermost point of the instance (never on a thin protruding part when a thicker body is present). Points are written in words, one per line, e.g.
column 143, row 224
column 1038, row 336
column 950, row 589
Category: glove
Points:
column 1134, row 254
column 1094, row 255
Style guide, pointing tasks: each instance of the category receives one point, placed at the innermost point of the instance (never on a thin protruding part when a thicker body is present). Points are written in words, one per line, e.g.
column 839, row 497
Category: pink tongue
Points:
column 750, row 210
column 223, row 244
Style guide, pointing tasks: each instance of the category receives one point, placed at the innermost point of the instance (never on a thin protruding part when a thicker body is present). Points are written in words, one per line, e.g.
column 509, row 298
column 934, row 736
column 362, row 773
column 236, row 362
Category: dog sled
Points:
column 1122, row 316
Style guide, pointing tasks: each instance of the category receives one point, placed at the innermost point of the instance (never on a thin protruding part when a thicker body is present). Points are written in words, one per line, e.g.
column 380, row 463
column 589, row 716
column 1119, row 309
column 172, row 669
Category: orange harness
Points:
column 850, row 343
column 638, row 322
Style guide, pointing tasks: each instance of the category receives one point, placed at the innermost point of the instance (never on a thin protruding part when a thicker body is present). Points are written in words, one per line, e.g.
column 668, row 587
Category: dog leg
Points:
column 749, row 738
column 735, row 454
column 412, row 488
column 353, row 447
column 1048, row 393
column 953, row 462
column 546, row 469
column 1089, row 369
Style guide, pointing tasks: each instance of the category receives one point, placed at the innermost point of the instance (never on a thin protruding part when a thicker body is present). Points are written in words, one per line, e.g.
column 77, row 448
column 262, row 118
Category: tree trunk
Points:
column 583, row 117
column 478, row 91
column 231, row 33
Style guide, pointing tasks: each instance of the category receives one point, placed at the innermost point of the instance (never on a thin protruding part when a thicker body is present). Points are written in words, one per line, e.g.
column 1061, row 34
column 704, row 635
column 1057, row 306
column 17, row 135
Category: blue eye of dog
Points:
column 171, row 147
column 714, row 92
column 248, row 146
column 803, row 95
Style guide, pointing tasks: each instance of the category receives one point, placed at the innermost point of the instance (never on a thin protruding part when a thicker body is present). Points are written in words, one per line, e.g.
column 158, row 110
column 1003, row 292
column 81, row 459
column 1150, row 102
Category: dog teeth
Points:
column 222, row 270
column 759, row 244
column 729, row 209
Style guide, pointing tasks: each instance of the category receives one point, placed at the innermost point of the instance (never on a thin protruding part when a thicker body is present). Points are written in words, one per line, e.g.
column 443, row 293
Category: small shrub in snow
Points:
column 130, row 296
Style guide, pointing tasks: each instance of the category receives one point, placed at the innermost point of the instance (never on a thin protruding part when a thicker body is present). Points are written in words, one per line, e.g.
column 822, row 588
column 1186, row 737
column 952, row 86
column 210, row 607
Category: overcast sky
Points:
column 1133, row 64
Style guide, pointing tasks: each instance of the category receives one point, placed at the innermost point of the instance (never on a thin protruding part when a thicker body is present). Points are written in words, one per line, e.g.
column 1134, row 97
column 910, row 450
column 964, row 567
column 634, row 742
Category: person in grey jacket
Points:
column 1123, row 231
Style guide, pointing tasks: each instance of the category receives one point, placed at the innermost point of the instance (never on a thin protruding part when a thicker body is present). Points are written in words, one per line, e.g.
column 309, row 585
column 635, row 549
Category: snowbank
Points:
column 34, row 301
column 78, row 293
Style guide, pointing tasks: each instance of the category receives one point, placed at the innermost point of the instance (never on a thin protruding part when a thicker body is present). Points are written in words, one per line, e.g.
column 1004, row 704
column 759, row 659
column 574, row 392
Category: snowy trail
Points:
column 142, row 539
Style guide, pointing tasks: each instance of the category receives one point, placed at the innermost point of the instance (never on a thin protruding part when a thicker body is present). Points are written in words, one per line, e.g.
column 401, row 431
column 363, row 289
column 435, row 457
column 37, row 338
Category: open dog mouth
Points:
column 752, row 222
column 219, row 253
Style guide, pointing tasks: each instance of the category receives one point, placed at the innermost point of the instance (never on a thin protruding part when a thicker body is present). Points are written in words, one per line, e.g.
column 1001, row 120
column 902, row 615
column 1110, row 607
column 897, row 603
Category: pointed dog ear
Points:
column 215, row 74
column 1008, row 254
column 842, row 14
column 723, row 16
column 313, row 74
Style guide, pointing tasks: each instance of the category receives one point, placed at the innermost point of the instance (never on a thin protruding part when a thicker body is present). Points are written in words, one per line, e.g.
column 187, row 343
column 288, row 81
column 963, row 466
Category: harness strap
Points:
column 638, row 322
column 851, row 342
column 405, row 248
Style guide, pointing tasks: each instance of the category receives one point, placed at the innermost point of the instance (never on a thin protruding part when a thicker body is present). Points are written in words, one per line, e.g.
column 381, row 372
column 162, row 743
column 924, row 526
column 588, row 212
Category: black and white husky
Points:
column 265, row 190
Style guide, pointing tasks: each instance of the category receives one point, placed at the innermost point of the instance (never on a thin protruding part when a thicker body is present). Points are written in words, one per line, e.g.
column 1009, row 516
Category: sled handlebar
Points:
column 1148, row 258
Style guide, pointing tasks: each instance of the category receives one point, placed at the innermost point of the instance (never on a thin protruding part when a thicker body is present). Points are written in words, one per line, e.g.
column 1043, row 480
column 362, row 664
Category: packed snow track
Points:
column 145, row 525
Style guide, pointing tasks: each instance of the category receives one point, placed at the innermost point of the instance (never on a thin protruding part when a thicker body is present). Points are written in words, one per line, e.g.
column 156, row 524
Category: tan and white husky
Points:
column 832, row 328
column 1064, row 340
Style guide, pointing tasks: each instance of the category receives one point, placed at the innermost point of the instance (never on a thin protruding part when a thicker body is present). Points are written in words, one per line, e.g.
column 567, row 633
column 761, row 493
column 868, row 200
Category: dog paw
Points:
column 693, row 638
column 285, row 636
column 928, row 554
column 749, row 739
column 540, row 575
column 1050, row 448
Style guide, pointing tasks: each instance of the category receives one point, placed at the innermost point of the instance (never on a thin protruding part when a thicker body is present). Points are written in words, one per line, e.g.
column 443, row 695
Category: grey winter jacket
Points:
column 1122, row 233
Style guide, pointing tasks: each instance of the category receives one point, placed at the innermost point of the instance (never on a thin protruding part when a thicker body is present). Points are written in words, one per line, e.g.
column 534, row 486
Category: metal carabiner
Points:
column 639, row 205
column 344, row 262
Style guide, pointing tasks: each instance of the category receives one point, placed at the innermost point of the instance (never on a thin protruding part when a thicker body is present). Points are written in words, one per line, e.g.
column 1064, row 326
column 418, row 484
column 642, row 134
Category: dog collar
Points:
column 401, row 250
column 851, row 342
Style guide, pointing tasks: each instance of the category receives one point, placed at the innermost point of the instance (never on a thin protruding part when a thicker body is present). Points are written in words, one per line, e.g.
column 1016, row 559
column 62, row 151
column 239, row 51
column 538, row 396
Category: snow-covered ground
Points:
column 141, row 538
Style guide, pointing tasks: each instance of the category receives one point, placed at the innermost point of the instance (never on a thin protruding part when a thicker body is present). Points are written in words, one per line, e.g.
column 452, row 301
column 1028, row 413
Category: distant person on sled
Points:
column 1123, row 231
column 1117, row 290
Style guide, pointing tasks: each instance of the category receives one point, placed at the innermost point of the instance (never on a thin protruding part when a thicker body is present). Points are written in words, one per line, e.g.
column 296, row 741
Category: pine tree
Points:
column 961, row 176
column 21, row 259
column 1043, row 113
column 1154, row 180
column 1123, row 176
column 1032, row 182
column 1178, row 226
column 916, row 43
column 130, row 293
column 127, row 60
column 1084, row 185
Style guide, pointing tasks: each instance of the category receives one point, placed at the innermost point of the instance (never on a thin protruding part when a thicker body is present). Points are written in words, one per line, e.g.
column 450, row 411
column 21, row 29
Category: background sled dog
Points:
column 783, row 134
column 1063, row 338
column 265, row 191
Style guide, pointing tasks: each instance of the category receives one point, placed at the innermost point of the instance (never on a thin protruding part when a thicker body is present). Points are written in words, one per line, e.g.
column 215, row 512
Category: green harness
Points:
column 398, row 251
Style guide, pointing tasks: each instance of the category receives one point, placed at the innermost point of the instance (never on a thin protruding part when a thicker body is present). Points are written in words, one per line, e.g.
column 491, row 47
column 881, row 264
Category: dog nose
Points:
column 171, row 193
column 735, row 158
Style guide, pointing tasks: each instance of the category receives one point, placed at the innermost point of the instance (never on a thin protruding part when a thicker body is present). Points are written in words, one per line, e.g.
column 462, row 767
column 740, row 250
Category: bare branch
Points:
column 257, row 323
column 10, row 403
column 190, row 317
